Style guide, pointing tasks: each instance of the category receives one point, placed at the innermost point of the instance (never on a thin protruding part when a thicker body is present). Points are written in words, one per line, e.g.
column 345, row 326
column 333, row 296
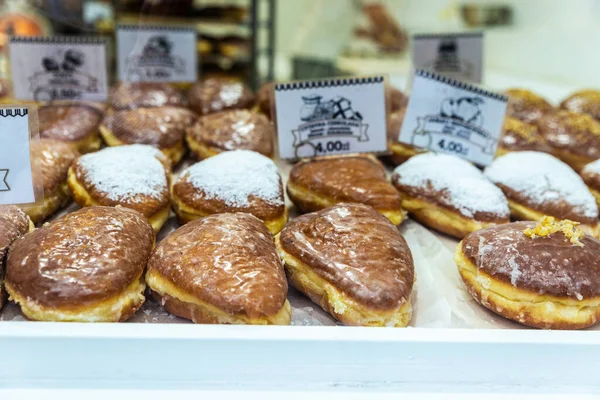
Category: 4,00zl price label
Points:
column 323, row 148
column 450, row 146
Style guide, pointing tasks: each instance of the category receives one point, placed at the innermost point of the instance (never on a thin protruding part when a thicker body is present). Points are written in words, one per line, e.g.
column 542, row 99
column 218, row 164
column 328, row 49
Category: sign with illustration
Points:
column 456, row 55
column 58, row 68
column 156, row 53
column 329, row 117
column 452, row 117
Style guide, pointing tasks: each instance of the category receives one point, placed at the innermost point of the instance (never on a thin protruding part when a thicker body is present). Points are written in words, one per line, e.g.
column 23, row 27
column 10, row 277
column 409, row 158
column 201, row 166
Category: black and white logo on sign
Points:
column 156, row 54
column 448, row 116
column 59, row 68
column 330, row 117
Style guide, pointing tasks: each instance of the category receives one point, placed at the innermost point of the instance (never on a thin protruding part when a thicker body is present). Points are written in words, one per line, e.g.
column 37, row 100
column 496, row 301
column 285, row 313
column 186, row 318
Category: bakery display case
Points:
column 175, row 252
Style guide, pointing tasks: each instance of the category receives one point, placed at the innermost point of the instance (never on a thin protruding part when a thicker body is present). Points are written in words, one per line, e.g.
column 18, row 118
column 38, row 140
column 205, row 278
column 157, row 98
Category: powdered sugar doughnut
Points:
column 233, row 181
column 449, row 194
column 538, row 184
column 134, row 176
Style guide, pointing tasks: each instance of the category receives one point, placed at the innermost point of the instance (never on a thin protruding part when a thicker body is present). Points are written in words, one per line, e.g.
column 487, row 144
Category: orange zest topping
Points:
column 547, row 226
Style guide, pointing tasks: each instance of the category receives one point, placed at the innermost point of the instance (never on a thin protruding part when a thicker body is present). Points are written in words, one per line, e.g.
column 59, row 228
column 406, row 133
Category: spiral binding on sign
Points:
column 13, row 112
column 143, row 27
column 328, row 83
column 447, row 35
column 460, row 85
column 58, row 40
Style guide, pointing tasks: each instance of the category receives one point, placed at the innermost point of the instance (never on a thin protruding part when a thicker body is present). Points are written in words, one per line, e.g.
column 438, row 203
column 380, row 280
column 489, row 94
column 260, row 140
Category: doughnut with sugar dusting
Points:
column 520, row 136
column 584, row 101
column 131, row 95
column 526, row 106
column 214, row 95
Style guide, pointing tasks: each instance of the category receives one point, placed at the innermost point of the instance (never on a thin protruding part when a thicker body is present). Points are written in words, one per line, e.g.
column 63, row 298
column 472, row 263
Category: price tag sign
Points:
column 156, row 53
column 59, row 68
column 17, row 183
column 330, row 117
column 457, row 55
column 447, row 116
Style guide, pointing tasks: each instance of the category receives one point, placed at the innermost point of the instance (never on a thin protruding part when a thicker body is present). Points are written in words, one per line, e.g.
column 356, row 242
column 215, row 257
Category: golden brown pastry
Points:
column 591, row 176
column 161, row 127
column 545, row 277
column 234, row 181
column 519, row 136
column 584, row 101
column 400, row 152
column 55, row 158
column 131, row 95
column 86, row 266
column 135, row 176
column 573, row 137
column 353, row 262
column 449, row 194
column 75, row 123
column 221, row 269
column 398, row 100
column 213, row 95
column 526, row 105
column 321, row 183
column 537, row 184
column 264, row 98
column 14, row 223
column 231, row 130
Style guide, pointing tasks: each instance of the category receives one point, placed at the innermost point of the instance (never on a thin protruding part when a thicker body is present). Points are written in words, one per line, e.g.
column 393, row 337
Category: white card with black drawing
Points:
column 447, row 116
column 148, row 53
column 329, row 117
column 58, row 68
column 456, row 55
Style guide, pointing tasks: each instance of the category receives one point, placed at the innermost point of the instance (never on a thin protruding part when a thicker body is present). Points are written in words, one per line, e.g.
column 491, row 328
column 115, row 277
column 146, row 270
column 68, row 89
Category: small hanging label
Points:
column 58, row 68
column 330, row 117
column 456, row 55
column 156, row 53
column 452, row 117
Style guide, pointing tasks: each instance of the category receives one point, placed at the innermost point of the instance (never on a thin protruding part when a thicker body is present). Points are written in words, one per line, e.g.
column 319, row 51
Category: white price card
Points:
column 457, row 55
column 17, row 184
column 149, row 53
column 332, row 116
column 448, row 116
column 59, row 68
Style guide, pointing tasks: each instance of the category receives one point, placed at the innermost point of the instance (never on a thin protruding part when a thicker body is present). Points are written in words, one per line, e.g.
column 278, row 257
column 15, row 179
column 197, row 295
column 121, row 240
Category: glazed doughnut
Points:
column 234, row 181
column 351, row 261
column 584, row 101
column 449, row 194
column 75, row 123
column 321, row 183
column 55, row 158
column 213, row 95
column 231, row 130
column 14, row 223
column 526, row 105
column 221, row 269
column 86, row 266
column 264, row 98
column 537, row 184
column 161, row 127
column 545, row 277
column 134, row 176
column 591, row 176
column 573, row 137
column 518, row 136
column 131, row 95
column 400, row 152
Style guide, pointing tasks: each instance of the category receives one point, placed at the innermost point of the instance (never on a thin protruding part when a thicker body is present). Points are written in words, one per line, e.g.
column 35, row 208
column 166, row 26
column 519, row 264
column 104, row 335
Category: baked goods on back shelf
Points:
column 213, row 95
column 131, row 95
column 583, row 101
column 231, row 130
column 55, row 158
column 573, row 137
column 221, row 269
column 353, row 262
column 449, row 194
column 14, row 223
column 545, row 276
column 86, row 266
column 321, row 183
column 134, row 176
column 518, row 136
column 75, row 123
column 233, row 181
column 538, row 184
column 161, row 127
column 526, row 105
